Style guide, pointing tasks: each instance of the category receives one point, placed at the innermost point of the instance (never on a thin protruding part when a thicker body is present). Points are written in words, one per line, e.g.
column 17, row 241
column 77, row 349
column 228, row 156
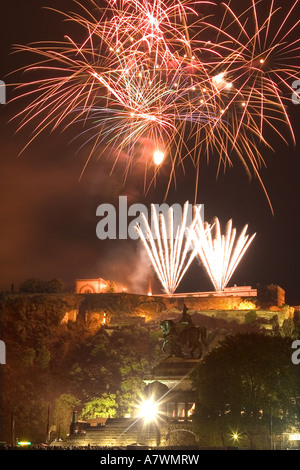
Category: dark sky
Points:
column 48, row 215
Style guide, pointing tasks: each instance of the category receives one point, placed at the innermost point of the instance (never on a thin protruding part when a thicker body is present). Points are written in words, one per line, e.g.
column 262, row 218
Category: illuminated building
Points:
column 97, row 286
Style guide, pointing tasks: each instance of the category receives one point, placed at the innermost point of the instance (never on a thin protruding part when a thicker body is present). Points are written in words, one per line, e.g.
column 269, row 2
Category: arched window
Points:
column 87, row 289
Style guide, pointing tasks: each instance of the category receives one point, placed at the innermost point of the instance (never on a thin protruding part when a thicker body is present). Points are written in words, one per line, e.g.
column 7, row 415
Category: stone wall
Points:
column 123, row 308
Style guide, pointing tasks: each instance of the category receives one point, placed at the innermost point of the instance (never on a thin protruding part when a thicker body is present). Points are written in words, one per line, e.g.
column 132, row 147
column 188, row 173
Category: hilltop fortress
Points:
column 99, row 306
column 98, row 303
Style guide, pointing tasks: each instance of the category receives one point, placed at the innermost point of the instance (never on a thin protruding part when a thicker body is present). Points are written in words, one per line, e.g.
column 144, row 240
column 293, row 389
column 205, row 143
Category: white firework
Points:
column 220, row 253
column 169, row 245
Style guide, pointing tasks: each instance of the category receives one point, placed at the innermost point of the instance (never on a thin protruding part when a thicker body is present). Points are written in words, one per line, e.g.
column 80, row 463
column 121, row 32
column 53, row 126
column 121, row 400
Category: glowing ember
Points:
column 158, row 157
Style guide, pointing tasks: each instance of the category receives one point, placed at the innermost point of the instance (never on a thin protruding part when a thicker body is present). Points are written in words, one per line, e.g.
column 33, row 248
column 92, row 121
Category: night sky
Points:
column 48, row 214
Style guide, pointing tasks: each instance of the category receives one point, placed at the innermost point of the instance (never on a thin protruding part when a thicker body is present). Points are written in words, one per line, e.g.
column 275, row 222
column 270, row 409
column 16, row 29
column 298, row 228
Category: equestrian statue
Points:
column 183, row 339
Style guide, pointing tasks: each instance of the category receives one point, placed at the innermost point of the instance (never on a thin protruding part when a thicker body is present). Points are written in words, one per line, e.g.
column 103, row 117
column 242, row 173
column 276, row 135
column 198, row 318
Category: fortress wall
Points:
column 123, row 308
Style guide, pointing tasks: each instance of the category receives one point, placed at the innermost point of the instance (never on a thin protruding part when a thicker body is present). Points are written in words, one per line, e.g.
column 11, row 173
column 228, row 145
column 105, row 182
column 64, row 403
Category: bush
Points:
column 34, row 285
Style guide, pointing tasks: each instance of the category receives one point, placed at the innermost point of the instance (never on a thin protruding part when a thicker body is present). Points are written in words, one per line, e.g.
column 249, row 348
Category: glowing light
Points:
column 218, row 78
column 246, row 305
column 148, row 410
column 158, row 157
column 294, row 437
column 220, row 253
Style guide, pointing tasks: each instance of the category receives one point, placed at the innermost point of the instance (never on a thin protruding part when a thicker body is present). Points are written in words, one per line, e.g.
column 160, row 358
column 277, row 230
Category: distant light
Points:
column 24, row 443
column 158, row 157
column 261, row 61
column 149, row 294
column 294, row 437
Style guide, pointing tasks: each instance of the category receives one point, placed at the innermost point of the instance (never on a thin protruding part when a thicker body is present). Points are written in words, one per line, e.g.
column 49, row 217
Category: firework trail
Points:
column 168, row 74
column 258, row 55
column 168, row 245
column 220, row 253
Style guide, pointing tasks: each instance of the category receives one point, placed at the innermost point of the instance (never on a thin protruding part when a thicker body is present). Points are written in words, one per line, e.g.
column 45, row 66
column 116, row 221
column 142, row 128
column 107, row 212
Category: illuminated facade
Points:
column 97, row 286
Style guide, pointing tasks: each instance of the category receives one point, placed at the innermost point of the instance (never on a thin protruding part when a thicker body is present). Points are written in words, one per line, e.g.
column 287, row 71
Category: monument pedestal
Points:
column 169, row 384
column 174, row 372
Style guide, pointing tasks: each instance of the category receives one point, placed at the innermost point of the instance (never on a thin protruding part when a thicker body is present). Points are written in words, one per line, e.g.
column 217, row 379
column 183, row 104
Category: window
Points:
column 171, row 410
column 181, row 410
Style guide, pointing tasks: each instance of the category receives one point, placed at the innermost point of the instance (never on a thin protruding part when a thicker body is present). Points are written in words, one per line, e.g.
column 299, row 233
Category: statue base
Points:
column 174, row 372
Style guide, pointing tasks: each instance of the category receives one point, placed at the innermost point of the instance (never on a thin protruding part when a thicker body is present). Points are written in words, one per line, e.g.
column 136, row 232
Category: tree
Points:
column 43, row 358
column 132, row 384
column 63, row 410
column 35, row 285
column 55, row 286
column 32, row 285
column 100, row 407
column 245, row 385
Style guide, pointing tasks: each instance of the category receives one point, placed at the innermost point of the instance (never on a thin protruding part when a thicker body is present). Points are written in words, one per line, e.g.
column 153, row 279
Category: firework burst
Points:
column 168, row 245
column 146, row 71
column 220, row 253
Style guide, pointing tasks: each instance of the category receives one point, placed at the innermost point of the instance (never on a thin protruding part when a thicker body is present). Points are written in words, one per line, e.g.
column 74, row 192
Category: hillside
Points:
column 55, row 365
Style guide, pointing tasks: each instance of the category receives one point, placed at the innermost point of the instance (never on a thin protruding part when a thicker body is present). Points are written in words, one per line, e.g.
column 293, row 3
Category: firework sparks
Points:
column 220, row 253
column 168, row 246
column 146, row 70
